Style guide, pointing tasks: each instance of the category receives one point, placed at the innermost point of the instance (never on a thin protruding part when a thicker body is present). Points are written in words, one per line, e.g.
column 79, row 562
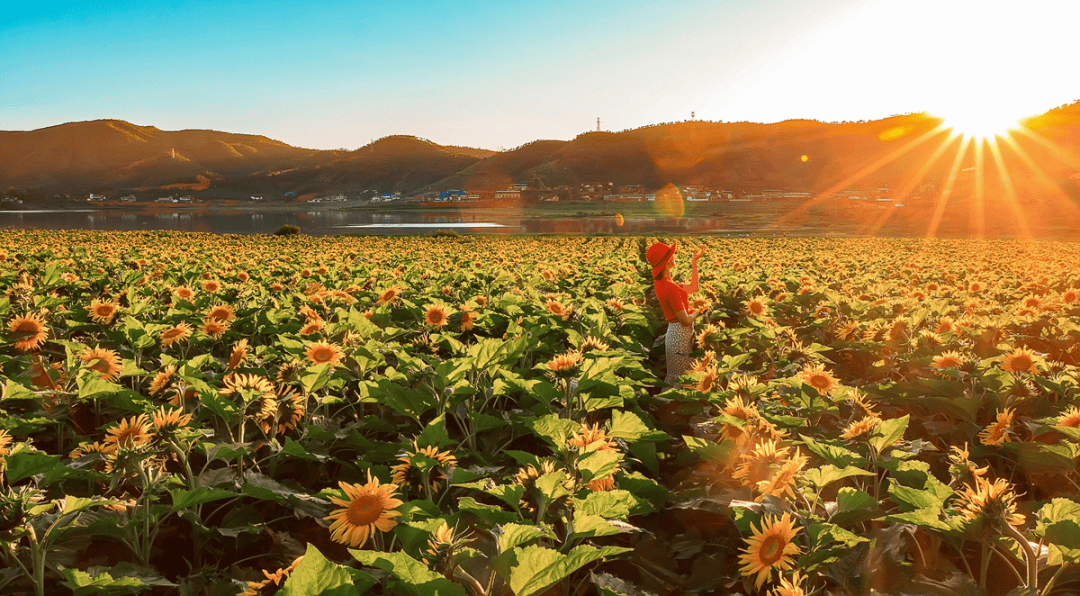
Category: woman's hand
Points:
column 697, row 255
column 686, row 318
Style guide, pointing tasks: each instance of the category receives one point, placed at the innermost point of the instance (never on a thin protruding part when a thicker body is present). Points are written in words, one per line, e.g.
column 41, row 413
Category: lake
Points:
column 339, row 221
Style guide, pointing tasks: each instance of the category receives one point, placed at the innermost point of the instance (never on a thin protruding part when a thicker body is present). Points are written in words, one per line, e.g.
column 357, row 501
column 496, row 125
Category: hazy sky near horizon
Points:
column 499, row 74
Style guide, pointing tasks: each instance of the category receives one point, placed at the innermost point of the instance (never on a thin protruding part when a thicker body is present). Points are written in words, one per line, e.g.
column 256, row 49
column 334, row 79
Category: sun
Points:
column 981, row 118
column 979, row 125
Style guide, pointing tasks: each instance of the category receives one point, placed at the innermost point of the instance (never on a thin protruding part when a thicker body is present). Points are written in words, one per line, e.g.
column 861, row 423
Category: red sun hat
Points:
column 658, row 255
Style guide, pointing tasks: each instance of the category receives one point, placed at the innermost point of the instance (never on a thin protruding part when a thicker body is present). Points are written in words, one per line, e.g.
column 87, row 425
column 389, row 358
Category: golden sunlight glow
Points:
column 979, row 124
column 983, row 116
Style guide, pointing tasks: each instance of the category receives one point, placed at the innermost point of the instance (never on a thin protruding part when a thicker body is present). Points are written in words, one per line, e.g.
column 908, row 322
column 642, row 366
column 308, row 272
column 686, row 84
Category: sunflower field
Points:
column 201, row 414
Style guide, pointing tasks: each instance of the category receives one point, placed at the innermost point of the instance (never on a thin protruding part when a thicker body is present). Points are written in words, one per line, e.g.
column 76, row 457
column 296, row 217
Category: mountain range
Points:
column 911, row 154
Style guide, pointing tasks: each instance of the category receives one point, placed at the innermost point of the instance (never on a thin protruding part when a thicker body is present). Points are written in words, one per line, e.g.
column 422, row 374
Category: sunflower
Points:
column 45, row 375
column 859, row 402
column 565, row 364
column 998, row 431
column 290, row 371
column 174, row 334
column 708, row 380
column 106, row 362
column 736, row 407
column 951, row 359
column 468, row 320
column 369, row 507
column 312, row 326
column 756, row 307
column 29, row 331
column 435, row 315
column 5, row 440
column 588, row 436
column 321, row 352
column 704, row 362
column 442, row 544
column 235, row 383
column 556, row 308
column 223, row 313
column 792, row 588
column 102, row 312
column 783, row 481
column 400, row 471
column 861, row 428
column 239, row 354
column 215, row 328
column 708, row 333
column 615, row 304
column 961, row 468
column 1071, row 418
column 771, row 547
column 162, row 379
column 818, row 378
column 291, row 408
column 88, row 448
column 594, row 343
column 760, row 463
column 995, row 500
column 170, row 420
column 1019, row 360
column 183, row 293
column 211, row 286
column 389, row 295
column 131, row 431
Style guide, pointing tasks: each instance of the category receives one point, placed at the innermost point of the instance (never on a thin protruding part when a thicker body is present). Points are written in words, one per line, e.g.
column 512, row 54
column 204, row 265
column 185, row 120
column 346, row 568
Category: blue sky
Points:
column 500, row 74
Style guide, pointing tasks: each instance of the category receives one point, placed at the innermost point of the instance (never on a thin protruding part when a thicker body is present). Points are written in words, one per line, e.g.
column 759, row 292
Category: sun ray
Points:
column 978, row 214
column 950, row 180
column 865, row 171
column 1066, row 157
column 1010, row 191
column 1040, row 175
column 922, row 171
column 912, row 182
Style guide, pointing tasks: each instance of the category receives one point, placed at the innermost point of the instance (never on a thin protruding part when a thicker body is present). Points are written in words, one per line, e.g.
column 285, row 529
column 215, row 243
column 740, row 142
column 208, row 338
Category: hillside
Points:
column 911, row 155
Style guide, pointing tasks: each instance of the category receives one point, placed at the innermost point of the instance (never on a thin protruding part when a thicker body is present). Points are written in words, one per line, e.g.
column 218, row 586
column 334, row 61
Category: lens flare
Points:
column 896, row 132
column 805, row 158
column 669, row 201
column 619, row 220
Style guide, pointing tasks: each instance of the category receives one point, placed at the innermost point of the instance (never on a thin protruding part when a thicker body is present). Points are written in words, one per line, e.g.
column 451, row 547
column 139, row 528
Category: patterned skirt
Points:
column 678, row 343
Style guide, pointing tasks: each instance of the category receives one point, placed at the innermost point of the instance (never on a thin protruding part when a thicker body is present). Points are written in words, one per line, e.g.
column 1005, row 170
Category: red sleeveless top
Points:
column 672, row 298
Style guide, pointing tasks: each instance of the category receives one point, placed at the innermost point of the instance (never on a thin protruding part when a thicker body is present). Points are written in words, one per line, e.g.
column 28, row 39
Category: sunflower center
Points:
column 364, row 510
column 772, row 548
column 819, row 382
column 1021, row 362
column 27, row 327
column 322, row 355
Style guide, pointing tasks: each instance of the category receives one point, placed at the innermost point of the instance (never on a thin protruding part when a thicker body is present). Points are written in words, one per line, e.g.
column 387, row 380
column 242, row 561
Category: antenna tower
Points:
column 597, row 125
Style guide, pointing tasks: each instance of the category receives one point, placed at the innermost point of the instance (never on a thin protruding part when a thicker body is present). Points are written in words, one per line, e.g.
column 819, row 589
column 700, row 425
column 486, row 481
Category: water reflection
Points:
column 337, row 221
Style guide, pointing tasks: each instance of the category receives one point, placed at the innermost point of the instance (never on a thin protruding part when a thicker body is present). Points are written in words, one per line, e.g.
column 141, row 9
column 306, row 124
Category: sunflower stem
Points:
column 1032, row 563
column 984, row 564
column 1053, row 580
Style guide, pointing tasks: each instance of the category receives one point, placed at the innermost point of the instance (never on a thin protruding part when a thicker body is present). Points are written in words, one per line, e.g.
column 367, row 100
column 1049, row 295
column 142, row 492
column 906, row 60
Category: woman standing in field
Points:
column 675, row 304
